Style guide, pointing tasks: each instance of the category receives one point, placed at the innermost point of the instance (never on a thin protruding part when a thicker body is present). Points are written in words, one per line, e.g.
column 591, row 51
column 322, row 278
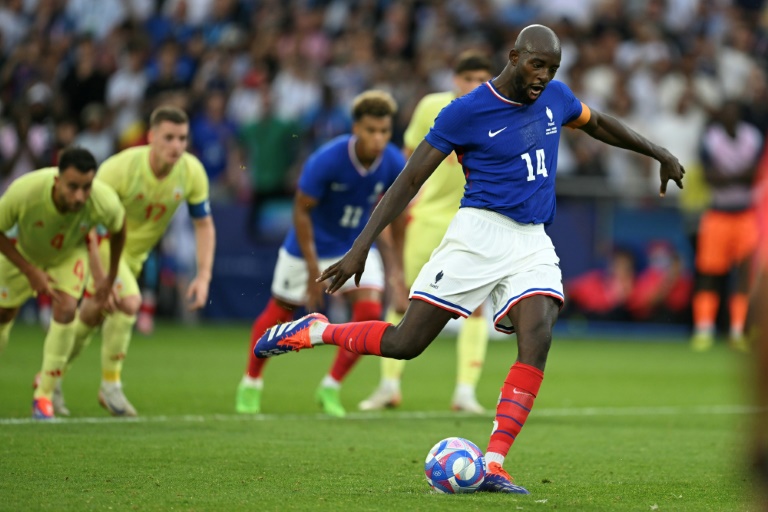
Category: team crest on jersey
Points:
column 551, row 126
column 140, row 197
column 39, row 224
column 4, row 293
column 438, row 277
column 84, row 227
column 178, row 193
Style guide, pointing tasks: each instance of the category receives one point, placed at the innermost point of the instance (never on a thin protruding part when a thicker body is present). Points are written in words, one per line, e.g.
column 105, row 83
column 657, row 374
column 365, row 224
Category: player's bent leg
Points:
column 7, row 317
column 56, row 348
column 471, row 346
column 387, row 394
column 116, row 337
column 533, row 319
column 420, row 326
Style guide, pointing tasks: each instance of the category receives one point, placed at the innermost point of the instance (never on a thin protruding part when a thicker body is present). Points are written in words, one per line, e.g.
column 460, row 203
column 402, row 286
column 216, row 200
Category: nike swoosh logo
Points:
column 520, row 392
column 493, row 134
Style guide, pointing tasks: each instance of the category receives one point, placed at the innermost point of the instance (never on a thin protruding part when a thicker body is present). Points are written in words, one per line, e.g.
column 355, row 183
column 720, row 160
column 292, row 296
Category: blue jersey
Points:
column 346, row 193
column 508, row 150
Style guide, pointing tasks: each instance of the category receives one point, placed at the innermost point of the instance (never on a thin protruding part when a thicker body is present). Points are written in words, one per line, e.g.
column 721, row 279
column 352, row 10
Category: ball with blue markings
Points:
column 455, row 465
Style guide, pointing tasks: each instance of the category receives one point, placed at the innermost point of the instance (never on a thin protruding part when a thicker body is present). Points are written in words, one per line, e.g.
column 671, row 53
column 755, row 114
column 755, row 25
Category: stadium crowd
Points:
column 266, row 82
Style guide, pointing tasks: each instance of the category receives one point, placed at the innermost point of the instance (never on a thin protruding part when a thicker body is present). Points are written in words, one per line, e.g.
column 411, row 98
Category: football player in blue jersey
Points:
column 339, row 186
column 506, row 134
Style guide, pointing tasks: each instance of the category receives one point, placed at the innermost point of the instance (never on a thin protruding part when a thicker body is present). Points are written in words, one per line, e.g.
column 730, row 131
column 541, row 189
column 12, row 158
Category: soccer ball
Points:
column 455, row 465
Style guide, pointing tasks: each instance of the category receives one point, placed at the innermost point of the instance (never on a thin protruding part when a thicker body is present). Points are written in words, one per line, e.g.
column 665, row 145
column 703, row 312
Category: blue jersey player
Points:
column 339, row 186
column 506, row 133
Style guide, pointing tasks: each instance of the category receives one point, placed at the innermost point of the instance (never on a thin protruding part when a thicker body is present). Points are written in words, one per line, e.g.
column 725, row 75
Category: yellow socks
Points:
column 392, row 369
column 116, row 336
column 56, row 349
column 470, row 350
column 83, row 335
column 5, row 332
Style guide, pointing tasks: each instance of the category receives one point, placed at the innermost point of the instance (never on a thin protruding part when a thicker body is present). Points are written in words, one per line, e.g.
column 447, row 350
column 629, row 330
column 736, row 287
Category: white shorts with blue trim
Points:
column 289, row 282
column 484, row 254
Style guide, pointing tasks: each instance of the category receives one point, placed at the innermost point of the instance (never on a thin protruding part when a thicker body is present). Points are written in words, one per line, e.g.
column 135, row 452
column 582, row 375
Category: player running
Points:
column 428, row 216
column 339, row 186
column 506, row 134
column 53, row 211
column 151, row 182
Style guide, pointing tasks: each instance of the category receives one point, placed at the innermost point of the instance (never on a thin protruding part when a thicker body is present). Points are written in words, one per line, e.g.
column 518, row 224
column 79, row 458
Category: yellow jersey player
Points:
column 53, row 210
column 151, row 182
column 428, row 218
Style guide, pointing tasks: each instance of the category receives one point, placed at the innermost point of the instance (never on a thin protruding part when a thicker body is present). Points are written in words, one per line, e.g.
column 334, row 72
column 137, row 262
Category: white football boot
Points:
column 383, row 397
column 112, row 398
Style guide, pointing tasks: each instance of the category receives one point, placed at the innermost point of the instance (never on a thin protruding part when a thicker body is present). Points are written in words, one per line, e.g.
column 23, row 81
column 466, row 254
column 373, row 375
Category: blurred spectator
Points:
column 662, row 292
column 24, row 146
column 65, row 131
column 125, row 93
column 13, row 24
column 96, row 137
column 84, row 83
column 270, row 147
column 96, row 18
column 169, row 73
column 728, row 233
column 245, row 101
column 325, row 121
column 603, row 294
column 212, row 137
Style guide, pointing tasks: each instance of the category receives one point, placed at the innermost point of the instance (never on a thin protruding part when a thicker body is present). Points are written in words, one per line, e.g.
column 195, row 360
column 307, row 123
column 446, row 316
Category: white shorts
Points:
column 289, row 282
column 487, row 254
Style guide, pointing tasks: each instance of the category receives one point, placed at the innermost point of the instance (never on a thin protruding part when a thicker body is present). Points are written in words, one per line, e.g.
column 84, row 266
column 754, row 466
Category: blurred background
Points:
column 267, row 82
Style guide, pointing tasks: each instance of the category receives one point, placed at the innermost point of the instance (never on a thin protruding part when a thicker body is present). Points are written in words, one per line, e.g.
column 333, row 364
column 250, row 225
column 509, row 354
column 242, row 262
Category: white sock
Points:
column 390, row 384
column 330, row 382
column 252, row 382
column 464, row 391
column 494, row 457
column 706, row 329
column 316, row 331
column 111, row 385
column 737, row 332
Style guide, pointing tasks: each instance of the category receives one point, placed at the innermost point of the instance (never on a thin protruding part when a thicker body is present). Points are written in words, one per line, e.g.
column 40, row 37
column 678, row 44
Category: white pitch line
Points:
column 401, row 415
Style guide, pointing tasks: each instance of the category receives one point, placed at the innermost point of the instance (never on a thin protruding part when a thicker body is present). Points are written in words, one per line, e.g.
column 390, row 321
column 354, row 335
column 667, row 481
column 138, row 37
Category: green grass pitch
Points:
column 619, row 425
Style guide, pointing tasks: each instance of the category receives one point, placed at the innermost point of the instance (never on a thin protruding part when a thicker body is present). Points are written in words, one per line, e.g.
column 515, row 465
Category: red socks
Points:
column 359, row 336
column 361, row 311
column 272, row 315
column 517, row 396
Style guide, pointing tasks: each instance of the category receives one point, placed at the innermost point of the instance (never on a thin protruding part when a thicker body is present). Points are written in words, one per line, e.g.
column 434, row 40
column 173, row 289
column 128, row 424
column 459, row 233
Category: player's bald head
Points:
column 537, row 39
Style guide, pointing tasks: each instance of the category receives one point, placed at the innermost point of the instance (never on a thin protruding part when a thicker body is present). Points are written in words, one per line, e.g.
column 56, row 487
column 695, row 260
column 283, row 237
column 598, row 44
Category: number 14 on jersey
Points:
column 541, row 167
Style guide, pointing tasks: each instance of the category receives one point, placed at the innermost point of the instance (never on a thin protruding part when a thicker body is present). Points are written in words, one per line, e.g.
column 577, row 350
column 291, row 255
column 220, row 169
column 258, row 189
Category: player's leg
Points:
column 712, row 264
column 366, row 305
column 248, row 397
column 745, row 241
column 7, row 317
column 69, row 282
column 387, row 393
column 116, row 333
column 14, row 291
column 289, row 291
column 471, row 346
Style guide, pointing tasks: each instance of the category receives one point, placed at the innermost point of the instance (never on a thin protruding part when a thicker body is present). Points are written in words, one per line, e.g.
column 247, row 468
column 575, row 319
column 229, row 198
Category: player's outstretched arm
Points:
column 205, row 241
column 419, row 167
column 38, row 279
column 305, row 235
column 614, row 132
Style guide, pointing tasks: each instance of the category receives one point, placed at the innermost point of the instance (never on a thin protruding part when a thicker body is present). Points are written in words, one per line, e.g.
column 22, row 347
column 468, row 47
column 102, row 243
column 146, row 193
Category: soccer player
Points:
column 428, row 219
column 339, row 186
column 506, row 134
column 151, row 181
column 53, row 211
column 728, row 231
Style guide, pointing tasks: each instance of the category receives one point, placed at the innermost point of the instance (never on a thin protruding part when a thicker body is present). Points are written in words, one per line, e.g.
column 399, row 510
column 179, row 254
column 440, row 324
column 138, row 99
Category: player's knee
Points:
column 6, row 315
column 404, row 346
column 130, row 305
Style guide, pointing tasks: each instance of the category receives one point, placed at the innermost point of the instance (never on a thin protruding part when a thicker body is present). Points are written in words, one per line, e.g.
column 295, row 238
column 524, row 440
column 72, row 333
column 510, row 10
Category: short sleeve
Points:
column 450, row 128
column 314, row 177
column 419, row 125
column 575, row 113
column 10, row 206
column 110, row 211
column 197, row 192
column 112, row 171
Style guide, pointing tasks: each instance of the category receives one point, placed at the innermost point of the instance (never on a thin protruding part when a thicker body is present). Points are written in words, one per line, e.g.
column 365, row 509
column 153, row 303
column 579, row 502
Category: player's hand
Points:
column 197, row 293
column 105, row 295
column 41, row 282
column 351, row 264
column 670, row 170
column 315, row 300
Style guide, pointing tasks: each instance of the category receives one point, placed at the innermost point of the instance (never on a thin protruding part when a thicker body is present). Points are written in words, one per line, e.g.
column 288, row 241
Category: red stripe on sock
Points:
column 359, row 337
column 345, row 360
column 517, row 396
column 273, row 314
